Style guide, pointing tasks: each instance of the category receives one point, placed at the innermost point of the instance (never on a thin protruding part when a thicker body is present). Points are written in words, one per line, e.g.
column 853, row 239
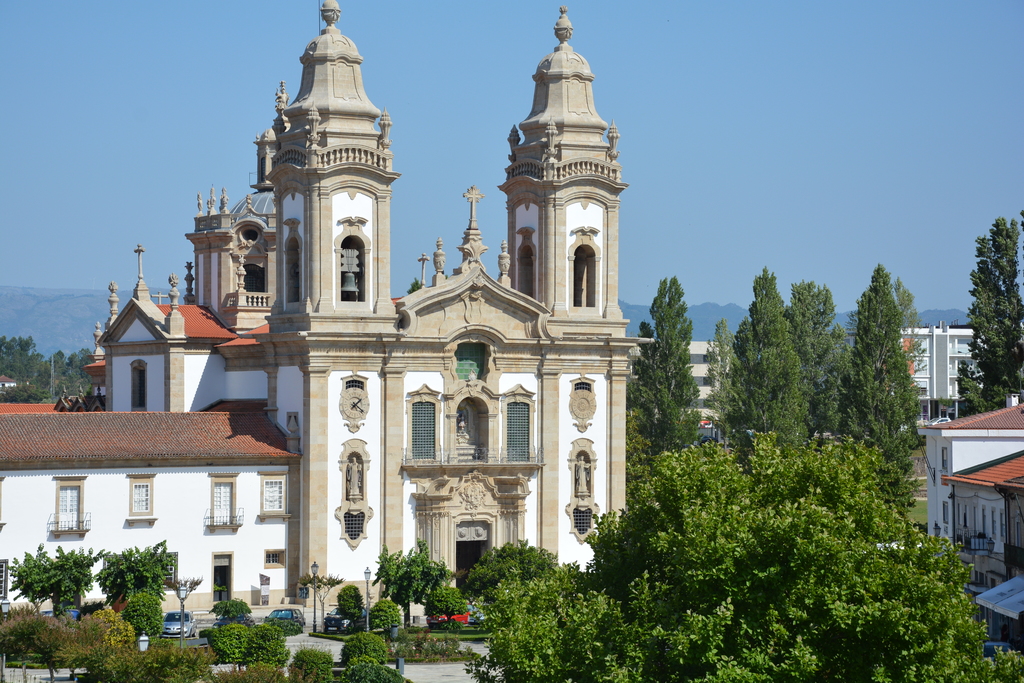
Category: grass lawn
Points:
column 919, row 513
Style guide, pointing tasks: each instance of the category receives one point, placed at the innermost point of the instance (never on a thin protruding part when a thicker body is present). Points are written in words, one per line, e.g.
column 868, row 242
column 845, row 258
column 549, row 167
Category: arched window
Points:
column 255, row 278
column 351, row 270
column 524, row 278
column 584, row 280
column 138, row 385
column 292, row 272
column 423, row 426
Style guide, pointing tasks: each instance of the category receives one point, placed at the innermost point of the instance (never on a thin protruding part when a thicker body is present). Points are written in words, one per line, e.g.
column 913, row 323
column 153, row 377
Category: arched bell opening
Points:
column 525, row 276
column 584, row 268
column 292, row 271
column 351, row 270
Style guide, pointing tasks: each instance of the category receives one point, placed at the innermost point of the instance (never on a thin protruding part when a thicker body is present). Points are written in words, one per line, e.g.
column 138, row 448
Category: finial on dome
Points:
column 563, row 27
column 330, row 12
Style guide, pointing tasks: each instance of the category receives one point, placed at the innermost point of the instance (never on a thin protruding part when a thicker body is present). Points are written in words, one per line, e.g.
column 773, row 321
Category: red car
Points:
column 434, row 622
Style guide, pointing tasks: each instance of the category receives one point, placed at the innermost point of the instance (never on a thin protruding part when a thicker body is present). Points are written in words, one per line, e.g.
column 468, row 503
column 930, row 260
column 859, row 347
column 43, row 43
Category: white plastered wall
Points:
column 578, row 217
column 289, row 395
column 245, row 384
column 204, row 380
column 569, row 549
column 413, row 381
column 508, row 381
column 527, row 217
column 122, row 380
column 179, row 500
column 343, row 560
column 343, row 206
column 136, row 332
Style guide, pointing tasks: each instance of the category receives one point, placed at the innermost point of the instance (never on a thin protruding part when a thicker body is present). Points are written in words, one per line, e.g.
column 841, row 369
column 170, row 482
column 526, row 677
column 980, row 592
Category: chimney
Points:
column 1012, row 400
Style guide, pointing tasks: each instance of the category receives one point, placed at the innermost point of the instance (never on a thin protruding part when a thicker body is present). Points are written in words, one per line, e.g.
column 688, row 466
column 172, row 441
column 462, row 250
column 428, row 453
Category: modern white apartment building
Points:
column 943, row 348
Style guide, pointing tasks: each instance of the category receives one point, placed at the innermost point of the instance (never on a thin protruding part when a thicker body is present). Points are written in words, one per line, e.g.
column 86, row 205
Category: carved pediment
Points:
column 472, row 299
column 136, row 323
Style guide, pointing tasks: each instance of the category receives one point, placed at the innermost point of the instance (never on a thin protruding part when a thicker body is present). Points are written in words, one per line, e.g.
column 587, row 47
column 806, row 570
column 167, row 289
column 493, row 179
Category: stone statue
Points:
column 223, row 200
column 354, row 479
column 461, row 429
column 583, row 477
column 513, row 142
column 384, row 142
column 439, row 257
column 199, row 202
column 281, row 99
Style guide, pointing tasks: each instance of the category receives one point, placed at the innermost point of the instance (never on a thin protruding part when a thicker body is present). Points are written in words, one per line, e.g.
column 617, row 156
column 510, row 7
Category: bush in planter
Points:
column 264, row 644
column 385, row 613
column 228, row 643
column 312, row 665
column 367, row 645
column 369, row 672
column 287, row 626
column 257, row 673
column 145, row 612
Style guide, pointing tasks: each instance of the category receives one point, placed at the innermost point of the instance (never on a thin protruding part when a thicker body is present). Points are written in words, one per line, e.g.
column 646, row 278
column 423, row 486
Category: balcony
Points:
column 472, row 457
column 974, row 542
column 1013, row 555
column 223, row 519
column 60, row 525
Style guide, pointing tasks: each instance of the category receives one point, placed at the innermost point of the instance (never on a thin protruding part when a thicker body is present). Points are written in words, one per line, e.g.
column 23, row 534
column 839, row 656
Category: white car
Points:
column 172, row 625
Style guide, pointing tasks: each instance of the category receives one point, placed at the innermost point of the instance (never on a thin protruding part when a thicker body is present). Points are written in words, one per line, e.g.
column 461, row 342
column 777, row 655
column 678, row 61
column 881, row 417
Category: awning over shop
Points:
column 1006, row 598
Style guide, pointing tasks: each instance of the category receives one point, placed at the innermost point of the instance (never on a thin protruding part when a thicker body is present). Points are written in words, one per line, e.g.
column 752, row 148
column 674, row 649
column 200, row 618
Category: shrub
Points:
column 257, row 673
column 312, row 665
column 228, row 643
column 446, row 600
column 91, row 608
column 365, row 644
column 287, row 626
column 206, row 633
column 385, row 613
column 265, row 645
column 119, row 631
column 145, row 613
column 350, row 602
column 368, row 672
column 231, row 608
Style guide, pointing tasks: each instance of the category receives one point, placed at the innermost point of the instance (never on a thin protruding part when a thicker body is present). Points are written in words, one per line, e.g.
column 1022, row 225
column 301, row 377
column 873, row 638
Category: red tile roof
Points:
column 97, row 364
column 238, row 405
column 139, row 436
column 200, row 322
column 246, row 339
column 1003, row 418
column 262, row 329
column 5, row 378
column 992, row 472
column 23, row 408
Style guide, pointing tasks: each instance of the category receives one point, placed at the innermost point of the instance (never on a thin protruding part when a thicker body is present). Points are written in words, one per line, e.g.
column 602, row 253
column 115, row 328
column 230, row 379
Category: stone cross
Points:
column 159, row 297
column 473, row 196
column 423, row 269
column 138, row 250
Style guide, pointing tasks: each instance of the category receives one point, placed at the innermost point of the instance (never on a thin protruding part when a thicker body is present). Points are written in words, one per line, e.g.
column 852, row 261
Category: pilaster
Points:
column 392, row 442
column 174, row 381
column 617, row 378
column 382, row 255
column 559, row 262
column 611, row 262
column 548, row 519
column 315, row 514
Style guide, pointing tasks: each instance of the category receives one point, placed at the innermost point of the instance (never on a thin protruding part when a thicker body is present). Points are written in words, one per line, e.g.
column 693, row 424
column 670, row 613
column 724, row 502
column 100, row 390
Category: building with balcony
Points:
column 943, row 349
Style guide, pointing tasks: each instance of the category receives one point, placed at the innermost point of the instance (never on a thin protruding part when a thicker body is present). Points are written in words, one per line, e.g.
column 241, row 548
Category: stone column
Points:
column 315, row 513
column 611, row 262
column 382, row 304
column 392, row 443
column 546, row 216
column 174, row 380
column 617, row 378
column 548, row 519
column 559, row 259
column 322, row 253
column 271, row 371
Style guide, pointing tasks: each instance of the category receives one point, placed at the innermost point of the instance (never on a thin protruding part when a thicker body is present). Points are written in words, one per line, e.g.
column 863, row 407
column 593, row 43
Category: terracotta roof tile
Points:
column 240, row 405
column 139, row 436
column 5, row 378
column 1003, row 418
column 97, row 364
column 200, row 322
column 245, row 339
column 992, row 472
column 24, row 408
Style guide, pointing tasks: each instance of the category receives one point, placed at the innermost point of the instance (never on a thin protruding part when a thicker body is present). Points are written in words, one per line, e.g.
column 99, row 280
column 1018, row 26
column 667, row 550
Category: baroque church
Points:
column 317, row 418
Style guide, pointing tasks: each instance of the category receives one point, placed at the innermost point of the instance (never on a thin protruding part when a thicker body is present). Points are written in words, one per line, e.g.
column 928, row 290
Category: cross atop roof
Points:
column 473, row 196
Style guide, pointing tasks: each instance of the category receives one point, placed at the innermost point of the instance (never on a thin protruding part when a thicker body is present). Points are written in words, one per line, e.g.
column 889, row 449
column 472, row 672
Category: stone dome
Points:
column 262, row 203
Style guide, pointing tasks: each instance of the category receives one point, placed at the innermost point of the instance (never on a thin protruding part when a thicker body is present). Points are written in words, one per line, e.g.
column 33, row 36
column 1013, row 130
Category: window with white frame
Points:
column 945, row 512
column 945, row 458
column 273, row 495
column 141, row 497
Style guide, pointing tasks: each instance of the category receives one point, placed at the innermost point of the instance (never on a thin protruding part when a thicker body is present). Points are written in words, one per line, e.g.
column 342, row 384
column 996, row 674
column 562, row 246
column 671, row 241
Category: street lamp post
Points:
column 143, row 642
column 182, row 594
column 5, row 607
column 366, row 574
column 315, row 569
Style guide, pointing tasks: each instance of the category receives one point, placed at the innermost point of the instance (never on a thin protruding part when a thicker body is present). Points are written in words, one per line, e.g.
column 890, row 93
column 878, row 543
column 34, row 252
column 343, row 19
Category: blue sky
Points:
column 814, row 138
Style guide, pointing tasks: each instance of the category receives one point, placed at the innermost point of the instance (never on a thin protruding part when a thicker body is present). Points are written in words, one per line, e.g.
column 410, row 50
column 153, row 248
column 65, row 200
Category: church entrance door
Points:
column 471, row 542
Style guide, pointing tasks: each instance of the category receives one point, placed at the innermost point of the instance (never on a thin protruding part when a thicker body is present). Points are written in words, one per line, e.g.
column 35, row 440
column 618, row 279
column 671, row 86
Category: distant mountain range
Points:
column 63, row 319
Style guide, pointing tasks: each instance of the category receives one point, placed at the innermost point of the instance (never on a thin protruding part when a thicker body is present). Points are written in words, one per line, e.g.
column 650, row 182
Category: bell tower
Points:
column 563, row 186
column 331, row 174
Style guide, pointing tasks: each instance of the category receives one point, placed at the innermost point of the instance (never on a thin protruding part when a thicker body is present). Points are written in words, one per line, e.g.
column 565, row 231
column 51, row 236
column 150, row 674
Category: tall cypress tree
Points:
column 663, row 391
column 996, row 315
column 879, row 397
column 767, row 373
column 821, row 346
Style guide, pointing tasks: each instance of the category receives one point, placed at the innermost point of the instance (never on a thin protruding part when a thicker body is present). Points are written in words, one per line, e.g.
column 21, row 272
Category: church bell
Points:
column 348, row 283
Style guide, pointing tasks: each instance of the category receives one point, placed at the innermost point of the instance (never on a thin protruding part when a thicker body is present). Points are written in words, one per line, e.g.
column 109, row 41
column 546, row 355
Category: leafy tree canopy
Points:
column 409, row 578
column 723, row 398
column 59, row 579
column 135, row 571
column 145, row 613
column 518, row 561
column 789, row 567
column 446, row 600
column 24, row 393
column 350, row 602
column 229, row 609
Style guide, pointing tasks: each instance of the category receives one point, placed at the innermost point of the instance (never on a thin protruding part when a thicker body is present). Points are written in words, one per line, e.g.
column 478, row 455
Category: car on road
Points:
column 335, row 623
column 287, row 614
column 243, row 619
column 938, row 421
column 439, row 621
column 173, row 625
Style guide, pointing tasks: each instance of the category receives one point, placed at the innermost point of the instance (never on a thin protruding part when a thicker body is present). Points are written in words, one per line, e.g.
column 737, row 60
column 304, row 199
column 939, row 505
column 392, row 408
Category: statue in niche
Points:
column 584, row 474
column 354, row 479
column 462, row 428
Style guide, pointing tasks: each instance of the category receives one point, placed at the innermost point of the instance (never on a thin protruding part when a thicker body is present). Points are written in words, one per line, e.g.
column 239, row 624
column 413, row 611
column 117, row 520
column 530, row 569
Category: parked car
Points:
column 476, row 615
column 938, row 421
column 70, row 613
column 288, row 614
column 335, row 623
column 435, row 622
column 243, row 619
column 173, row 625
column 993, row 646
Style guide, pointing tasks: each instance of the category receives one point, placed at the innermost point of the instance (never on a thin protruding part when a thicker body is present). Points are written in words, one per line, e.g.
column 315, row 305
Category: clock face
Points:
column 354, row 403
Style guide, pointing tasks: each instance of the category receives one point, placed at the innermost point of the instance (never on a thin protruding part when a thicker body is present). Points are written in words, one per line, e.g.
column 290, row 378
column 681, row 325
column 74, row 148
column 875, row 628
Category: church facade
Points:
column 482, row 409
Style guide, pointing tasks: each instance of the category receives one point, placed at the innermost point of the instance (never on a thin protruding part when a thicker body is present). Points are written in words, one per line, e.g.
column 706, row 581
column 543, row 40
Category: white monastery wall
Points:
column 204, row 380
column 289, row 394
column 578, row 217
column 569, row 549
column 137, row 332
column 344, row 206
column 245, row 384
column 122, row 380
column 507, row 381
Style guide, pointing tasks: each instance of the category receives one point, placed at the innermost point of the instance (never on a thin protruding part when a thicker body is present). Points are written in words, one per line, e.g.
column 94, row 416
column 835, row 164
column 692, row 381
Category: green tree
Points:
column 820, row 344
column 59, row 579
column 384, row 613
column 20, row 360
column 229, row 643
column 312, row 665
column 135, row 571
column 767, row 370
column 144, row 612
column 663, row 392
column 365, row 644
column 229, row 609
column 350, row 602
column 264, row 644
column 24, row 393
column 879, row 397
column 518, row 561
column 321, row 587
column 997, row 316
column 788, row 566
column 415, row 286
column 409, row 578
column 722, row 399
column 33, row 634
column 447, row 601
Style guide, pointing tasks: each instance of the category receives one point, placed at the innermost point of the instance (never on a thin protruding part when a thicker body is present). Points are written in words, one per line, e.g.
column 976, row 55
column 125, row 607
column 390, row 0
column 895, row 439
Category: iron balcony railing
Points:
column 472, row 456
column 69, row 523
column 215, row 518
column 974, row 542
column 1013, row 555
